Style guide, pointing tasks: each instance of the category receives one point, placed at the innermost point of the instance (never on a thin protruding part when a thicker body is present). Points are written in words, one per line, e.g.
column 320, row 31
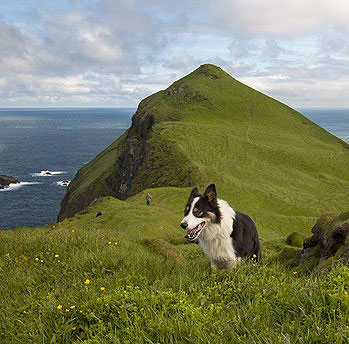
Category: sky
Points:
column 113, row 53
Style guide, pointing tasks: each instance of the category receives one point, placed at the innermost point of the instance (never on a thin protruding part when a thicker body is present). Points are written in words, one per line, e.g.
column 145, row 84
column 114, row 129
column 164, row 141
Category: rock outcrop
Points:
column 5, row 181
column 132, row 158
column 329, row 242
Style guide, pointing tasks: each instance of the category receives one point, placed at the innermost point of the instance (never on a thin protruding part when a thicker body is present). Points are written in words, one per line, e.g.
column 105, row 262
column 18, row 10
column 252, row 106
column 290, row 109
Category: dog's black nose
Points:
column 184, row 225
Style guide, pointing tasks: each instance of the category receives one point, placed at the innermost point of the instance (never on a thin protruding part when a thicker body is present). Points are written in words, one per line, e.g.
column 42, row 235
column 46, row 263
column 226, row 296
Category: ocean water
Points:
column 335, row 121
column 61, row 141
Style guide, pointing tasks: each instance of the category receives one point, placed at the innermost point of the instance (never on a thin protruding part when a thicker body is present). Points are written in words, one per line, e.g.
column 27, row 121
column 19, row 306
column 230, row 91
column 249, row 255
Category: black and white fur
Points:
column 225, row 235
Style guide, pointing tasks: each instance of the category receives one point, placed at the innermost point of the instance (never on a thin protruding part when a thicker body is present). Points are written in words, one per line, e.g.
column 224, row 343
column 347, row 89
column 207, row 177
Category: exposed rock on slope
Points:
column 133, row 156
column 330, row 239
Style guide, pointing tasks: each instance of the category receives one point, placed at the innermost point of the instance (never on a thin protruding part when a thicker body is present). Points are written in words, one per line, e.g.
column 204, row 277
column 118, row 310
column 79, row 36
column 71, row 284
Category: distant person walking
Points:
column 147, row 199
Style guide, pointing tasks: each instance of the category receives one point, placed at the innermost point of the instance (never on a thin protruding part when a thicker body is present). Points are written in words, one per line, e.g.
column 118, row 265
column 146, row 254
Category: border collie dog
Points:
column 225, row 235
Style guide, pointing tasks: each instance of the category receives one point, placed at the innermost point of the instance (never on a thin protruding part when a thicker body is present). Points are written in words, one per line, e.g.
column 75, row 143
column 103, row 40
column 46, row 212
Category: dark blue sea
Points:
column 61, row 141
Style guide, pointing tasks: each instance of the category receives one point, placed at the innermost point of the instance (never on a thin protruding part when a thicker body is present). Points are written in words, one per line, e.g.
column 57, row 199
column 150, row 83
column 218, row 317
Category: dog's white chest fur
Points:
column 216, row 241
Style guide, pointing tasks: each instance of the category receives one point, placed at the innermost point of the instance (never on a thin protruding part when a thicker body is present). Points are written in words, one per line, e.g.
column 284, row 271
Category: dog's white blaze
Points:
column 215, row 238
column 190, row 219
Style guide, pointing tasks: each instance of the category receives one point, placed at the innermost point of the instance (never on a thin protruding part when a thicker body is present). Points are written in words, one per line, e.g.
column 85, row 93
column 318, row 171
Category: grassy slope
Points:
column 91, row 178
column 267, row 161
column 157, row 288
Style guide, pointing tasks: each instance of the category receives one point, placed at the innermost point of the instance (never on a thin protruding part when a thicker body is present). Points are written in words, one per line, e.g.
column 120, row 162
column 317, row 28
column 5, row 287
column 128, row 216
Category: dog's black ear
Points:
column 211, row 193
column 194, row 193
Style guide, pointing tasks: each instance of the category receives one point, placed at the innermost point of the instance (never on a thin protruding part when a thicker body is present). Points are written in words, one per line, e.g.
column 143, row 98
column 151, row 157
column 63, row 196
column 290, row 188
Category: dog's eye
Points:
column 197, row 212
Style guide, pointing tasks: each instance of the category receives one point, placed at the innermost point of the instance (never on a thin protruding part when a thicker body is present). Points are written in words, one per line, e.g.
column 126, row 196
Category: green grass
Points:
column 158, row 288
column 266, row 159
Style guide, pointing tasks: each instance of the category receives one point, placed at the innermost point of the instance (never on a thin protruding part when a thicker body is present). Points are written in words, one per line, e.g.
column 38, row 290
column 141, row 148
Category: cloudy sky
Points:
column 113, row 53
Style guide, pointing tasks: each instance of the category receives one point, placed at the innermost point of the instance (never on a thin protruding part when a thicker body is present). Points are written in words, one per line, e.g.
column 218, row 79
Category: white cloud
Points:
column 316, row 93
column 240, row 48
column 286, row 19
column 182, row 63
column 108, row 52
column 158, row 79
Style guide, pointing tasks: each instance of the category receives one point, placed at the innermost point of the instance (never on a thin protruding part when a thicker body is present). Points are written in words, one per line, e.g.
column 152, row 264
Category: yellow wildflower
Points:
column 87, row 282
column 101, row 288
column 37, row 259
column 72, row 307
column 59, row 307
column 56, row 255
column 73, row 230
column 109, row 242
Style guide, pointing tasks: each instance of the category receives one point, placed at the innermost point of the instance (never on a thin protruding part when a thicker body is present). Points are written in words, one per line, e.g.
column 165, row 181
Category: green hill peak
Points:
column 208, row 127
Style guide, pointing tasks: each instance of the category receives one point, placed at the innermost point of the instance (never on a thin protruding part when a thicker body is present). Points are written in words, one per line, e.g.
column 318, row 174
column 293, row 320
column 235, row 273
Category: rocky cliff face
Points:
column 130, row 160
column 125, row 161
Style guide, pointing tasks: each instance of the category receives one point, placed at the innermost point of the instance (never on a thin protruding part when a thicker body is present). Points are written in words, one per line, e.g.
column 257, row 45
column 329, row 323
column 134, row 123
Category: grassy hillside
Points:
column 128, row 276
column 266, row 158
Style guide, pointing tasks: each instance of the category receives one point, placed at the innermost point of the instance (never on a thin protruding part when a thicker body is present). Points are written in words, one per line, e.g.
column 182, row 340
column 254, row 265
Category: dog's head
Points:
column 200, row 211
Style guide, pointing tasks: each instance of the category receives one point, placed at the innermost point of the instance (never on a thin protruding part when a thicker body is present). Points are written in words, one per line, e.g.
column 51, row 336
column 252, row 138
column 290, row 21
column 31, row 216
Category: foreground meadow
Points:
column 129, row 277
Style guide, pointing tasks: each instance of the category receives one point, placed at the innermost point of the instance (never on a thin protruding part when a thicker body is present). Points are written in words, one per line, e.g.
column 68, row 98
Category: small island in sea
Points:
column 5, row 181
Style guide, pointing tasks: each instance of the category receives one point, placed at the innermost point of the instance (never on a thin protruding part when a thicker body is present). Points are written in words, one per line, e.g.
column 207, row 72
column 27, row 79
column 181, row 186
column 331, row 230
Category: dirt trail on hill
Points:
column 163, row 201
column 242, row 151
column 248, row 131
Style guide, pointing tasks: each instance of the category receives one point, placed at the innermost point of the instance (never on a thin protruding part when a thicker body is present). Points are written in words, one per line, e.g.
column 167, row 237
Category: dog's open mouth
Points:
column 194, row 233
